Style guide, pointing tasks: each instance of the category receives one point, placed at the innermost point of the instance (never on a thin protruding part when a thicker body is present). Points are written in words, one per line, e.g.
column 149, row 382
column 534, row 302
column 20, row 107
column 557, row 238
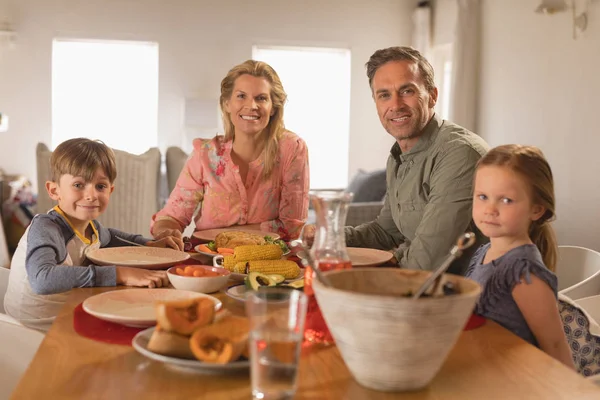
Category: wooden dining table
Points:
column 488, row 362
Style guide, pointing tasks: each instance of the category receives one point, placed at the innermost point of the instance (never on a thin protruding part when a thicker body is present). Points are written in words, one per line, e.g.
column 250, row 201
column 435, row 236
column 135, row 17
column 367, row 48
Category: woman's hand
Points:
column 141, row 277
column 168, row 241
column 174, row 234
column 307, row 234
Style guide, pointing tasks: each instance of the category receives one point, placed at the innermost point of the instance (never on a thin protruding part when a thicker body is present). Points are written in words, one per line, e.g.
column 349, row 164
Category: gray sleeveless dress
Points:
column 499, row 277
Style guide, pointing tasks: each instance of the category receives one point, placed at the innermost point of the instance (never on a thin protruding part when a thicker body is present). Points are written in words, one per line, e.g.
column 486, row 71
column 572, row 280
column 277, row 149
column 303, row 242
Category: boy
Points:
column 50, row 259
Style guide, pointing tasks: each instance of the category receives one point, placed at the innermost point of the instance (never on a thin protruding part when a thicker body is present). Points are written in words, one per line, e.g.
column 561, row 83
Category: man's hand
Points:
column 141, row 277
column 393, row 260
column 174, row 234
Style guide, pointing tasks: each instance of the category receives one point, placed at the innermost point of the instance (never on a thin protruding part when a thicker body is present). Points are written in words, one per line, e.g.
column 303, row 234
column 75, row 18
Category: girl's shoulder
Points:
column 520, row 263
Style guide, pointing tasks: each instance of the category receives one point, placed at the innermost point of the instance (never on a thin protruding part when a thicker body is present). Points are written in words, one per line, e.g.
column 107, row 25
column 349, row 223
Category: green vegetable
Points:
column 283, row 245
column 299, row 284
column 211, row 245
column 277, row 278
column 256, row 280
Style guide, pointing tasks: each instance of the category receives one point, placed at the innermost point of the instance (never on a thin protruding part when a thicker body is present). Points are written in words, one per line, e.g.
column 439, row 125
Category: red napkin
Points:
column 474, row 322
column 103, row 331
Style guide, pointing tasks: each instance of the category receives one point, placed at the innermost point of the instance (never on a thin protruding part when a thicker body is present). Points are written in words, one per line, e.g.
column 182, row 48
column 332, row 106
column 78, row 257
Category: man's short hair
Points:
column 383, row 56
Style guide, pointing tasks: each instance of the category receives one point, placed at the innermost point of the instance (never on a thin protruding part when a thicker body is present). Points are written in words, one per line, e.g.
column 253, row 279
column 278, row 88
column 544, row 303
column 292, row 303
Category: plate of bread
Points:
column 234, row 236
column 191, row 336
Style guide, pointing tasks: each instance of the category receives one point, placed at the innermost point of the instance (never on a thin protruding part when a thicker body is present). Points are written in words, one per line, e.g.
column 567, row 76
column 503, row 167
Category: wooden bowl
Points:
column 388, row 341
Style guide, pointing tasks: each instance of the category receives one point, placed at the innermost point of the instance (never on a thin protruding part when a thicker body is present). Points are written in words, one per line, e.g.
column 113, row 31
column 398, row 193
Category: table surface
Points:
column 486, row 363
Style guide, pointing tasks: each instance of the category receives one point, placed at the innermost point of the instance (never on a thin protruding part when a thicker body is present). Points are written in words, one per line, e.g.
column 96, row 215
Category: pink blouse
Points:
column 279, row 204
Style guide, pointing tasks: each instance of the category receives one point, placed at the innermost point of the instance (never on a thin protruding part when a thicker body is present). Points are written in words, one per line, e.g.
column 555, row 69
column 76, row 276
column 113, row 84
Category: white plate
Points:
column 140, row 343
column 237, row 292
column 363, row 257
column 135, row 307
column 218, row 262
column 136, row 256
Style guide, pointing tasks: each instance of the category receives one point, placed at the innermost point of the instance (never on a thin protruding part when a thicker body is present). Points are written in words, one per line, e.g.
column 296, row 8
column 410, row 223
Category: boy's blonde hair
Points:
column 529, row 162
column 82, row 157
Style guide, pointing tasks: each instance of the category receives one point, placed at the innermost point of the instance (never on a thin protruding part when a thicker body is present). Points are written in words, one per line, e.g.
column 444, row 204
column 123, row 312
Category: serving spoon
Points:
column 465, row 241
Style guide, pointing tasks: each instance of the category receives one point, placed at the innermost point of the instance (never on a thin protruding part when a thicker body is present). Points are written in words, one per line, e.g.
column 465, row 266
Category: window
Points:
column 442, row 65
column 105, row 90
column 317, row 81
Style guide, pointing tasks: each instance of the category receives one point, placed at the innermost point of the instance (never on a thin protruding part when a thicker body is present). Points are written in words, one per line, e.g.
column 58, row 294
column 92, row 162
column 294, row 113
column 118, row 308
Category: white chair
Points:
column 578, row 272
column 4, row 254
column 4, row 273
column 175, row 160
column 19, row 345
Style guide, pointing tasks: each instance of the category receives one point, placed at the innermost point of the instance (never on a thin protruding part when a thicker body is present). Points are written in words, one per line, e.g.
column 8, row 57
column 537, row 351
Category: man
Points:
column 430, row 169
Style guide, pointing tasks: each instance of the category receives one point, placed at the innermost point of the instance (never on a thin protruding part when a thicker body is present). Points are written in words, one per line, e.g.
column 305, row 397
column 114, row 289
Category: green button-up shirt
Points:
column 429, row 198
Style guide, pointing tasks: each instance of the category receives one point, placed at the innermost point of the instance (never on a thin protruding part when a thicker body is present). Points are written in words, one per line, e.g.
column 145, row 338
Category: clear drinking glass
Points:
column 277, row 325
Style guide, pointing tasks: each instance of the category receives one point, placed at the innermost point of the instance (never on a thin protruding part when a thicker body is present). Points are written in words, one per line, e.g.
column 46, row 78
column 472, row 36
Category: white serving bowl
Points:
column 390, row 342
column 202, row 284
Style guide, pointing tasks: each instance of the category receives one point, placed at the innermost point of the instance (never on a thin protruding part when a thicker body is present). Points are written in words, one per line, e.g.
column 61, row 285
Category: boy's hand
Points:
column 168, row 241
column 141, row 277
column 174, row 234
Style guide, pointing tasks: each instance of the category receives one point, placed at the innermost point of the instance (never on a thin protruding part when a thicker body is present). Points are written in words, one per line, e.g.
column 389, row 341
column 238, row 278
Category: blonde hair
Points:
column 82, row 157
column 529, row 162
column 276, row 127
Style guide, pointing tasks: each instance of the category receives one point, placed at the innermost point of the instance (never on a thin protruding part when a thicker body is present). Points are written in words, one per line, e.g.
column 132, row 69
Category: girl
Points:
column 513, row 204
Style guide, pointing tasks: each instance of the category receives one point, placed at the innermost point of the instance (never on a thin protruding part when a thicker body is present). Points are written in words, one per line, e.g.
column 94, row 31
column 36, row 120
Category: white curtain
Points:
column 465, row 68
column 421, row 35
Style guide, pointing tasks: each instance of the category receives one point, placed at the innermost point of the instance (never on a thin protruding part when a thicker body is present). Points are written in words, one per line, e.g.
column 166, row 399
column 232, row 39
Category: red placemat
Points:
column 103, row 331
column 475, row 321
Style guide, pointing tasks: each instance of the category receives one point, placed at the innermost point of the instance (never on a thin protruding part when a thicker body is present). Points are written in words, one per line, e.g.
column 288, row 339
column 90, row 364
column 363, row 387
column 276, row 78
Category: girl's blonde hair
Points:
column 82, row 157
column 529, row 162
column 275, row 128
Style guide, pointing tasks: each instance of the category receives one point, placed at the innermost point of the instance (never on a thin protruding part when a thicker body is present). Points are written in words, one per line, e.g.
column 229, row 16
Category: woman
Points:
column 257, row 173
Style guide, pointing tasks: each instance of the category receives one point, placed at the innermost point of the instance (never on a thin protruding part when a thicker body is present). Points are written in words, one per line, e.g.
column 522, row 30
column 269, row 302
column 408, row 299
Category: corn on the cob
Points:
column 229, row 262
column 287, row 268
column 257, row 252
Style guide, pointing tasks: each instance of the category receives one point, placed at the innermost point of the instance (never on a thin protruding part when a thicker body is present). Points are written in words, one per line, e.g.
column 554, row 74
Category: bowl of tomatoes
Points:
column 198, row 278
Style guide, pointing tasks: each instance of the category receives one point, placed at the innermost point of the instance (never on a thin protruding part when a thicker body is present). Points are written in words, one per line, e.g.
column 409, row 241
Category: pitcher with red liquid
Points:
column 328, row 252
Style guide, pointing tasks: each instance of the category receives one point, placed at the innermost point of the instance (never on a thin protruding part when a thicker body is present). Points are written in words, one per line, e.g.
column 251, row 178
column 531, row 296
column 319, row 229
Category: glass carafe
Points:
column 328, row 252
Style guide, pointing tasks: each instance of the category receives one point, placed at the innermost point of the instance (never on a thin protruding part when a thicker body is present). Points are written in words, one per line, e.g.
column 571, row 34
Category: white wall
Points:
column 541, row 87
column 198, row 42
